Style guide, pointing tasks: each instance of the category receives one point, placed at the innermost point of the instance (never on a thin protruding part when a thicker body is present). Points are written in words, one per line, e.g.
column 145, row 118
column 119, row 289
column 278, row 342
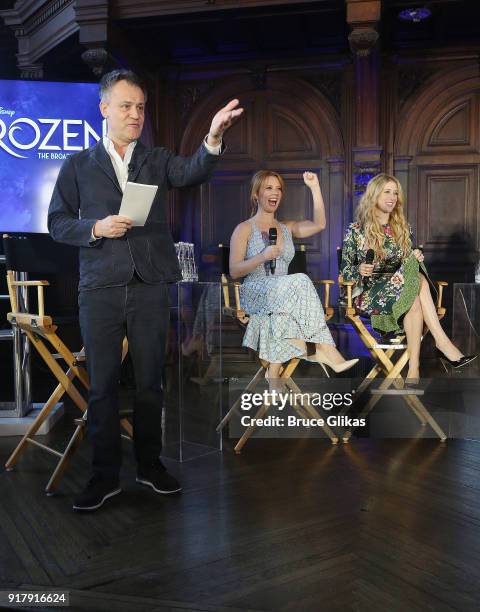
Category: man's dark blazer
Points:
column 87, row 189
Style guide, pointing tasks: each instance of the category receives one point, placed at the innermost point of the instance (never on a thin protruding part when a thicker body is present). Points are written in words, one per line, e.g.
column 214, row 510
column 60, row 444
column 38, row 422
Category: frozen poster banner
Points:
column 41, row 123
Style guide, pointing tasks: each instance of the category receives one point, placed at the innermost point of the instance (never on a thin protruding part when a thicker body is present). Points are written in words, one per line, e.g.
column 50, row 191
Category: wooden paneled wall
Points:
column 428, row 136
column 373, row 95
column 437, row 156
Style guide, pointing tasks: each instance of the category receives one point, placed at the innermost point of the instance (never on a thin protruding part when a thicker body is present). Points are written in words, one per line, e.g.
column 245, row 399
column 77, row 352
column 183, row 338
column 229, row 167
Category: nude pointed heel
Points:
column 336, row 367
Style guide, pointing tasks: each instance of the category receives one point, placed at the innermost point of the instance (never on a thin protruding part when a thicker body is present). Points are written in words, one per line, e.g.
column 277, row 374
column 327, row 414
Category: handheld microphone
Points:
column 272, row 239
column 370, row 256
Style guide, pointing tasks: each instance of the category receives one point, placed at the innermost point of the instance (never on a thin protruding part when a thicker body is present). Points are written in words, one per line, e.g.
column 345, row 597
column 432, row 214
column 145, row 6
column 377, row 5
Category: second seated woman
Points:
column 285, row 311
column 394, row 290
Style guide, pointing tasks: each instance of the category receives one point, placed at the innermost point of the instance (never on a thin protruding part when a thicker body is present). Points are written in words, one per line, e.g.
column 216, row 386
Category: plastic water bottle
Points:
column 186, row 259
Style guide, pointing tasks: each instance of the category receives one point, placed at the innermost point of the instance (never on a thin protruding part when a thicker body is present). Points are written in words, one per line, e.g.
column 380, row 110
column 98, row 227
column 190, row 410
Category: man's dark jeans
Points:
column 141, row 312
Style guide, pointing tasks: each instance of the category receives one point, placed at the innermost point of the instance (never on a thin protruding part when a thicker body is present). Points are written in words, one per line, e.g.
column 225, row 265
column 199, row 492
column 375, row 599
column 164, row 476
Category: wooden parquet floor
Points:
column 289, row 525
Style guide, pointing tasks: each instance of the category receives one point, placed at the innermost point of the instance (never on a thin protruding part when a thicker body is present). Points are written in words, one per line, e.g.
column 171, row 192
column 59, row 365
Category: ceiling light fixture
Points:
column 415, row 14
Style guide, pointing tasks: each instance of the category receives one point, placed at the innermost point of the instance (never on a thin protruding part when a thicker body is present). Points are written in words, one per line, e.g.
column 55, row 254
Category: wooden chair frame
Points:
column 391, row 368
column 286, row 372
column 41, row 332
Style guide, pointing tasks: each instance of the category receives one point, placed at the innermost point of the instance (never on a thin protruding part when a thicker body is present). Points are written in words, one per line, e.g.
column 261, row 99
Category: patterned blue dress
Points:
column 281, row 307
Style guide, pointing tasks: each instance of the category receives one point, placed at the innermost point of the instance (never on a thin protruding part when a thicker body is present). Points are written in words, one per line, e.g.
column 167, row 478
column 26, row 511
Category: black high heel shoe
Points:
column 457, row 363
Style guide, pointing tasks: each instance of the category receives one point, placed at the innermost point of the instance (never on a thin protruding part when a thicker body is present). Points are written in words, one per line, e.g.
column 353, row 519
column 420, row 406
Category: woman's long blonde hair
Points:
column 371, row 226
column 256, row 184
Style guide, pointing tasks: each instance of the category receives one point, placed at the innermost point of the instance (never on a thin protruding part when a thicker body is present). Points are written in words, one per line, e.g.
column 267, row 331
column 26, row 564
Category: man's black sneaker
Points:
column 158, row 479
column 95, row 494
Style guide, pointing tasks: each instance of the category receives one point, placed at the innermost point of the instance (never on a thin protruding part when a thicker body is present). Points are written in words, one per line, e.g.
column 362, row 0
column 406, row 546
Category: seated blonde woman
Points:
column 394, row 290
column 285, row 311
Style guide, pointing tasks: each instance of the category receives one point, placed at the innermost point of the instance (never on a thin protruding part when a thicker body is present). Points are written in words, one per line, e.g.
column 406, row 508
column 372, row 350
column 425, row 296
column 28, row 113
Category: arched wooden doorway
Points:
column 437, row 158
column 288, row 126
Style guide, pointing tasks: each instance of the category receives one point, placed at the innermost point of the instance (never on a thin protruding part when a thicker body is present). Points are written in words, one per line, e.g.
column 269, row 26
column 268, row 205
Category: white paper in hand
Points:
column 137, row 201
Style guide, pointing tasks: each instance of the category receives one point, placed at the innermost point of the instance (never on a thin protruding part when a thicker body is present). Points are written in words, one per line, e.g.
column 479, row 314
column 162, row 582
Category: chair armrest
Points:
column 30, row 283
column 348, row 285
column 30, row 321
column 226, row 283
column 226, row 295
column 440, row 285
column 326, row 301
column 238, row 311
column 236, row 289
column 39, row 284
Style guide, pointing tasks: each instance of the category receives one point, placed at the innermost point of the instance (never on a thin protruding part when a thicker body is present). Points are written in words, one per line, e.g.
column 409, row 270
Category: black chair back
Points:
column 298, row 265
column 44, row 259
column 225, row 258
column 39, row 254
column 339, row 259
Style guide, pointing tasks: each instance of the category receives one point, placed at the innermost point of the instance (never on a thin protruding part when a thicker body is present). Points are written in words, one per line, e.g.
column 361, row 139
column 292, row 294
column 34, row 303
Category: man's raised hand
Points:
column 225, row 117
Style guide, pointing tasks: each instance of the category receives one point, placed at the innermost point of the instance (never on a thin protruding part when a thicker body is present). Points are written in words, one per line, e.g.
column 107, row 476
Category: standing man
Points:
column 124, row 272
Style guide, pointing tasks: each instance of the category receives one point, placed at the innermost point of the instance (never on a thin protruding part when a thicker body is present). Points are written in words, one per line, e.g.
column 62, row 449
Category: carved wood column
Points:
column 349, row 134
column 336, row 220
column 92, row 19
column 363, row 17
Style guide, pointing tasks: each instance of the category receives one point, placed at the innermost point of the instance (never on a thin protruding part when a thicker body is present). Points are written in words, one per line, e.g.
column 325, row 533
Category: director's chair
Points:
column 390, row 360
column 232, row 309
column 39, row 254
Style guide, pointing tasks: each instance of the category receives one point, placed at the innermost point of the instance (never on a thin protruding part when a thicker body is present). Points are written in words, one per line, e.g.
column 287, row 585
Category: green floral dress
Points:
column 389, row 293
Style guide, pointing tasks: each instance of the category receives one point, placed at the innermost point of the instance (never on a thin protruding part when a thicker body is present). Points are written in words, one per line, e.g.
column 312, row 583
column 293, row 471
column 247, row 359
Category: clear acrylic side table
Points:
column 193, row 373
column 466, row 317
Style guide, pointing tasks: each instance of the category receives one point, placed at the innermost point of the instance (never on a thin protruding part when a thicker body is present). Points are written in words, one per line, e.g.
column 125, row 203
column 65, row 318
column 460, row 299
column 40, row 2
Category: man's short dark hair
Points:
column 111, row 78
